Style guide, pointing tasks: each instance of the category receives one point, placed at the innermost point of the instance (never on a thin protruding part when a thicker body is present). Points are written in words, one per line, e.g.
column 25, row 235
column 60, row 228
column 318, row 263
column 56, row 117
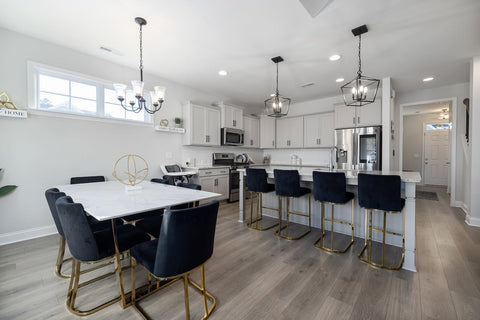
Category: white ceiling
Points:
column 190, row 41
column 436, row 107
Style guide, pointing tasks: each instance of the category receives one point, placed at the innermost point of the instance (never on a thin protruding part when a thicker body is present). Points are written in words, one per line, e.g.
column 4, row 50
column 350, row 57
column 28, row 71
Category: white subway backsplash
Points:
column 306, row 156
column 203, row 155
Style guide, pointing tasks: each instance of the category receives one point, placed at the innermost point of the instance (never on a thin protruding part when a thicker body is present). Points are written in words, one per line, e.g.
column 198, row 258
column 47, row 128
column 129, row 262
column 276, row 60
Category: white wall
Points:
column 473, row 214
column 458, row 91
column 43, row 151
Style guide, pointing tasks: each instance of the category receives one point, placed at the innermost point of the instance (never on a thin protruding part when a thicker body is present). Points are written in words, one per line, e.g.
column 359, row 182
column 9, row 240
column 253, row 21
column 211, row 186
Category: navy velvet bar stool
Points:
column 377, row 193
column 257, row 184
column 287, row 185
column 331, row 188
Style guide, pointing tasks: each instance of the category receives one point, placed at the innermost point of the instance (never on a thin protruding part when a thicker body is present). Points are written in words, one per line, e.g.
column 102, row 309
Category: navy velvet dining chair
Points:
column 87, row 179
column 52, row 195
column 185, row 243
column 152, row 224
column 87, row 246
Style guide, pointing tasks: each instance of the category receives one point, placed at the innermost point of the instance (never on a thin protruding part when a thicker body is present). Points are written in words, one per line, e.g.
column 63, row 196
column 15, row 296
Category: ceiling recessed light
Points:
column 222, row 73
column 334, row 57
column 340, row 80
column 428, row 79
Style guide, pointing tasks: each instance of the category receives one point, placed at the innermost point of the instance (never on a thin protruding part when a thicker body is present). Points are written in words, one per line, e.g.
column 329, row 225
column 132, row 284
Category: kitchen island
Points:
column 394, row 222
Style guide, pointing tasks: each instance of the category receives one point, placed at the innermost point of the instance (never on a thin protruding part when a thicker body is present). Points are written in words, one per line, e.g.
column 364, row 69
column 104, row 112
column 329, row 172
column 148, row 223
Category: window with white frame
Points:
column 68, row 92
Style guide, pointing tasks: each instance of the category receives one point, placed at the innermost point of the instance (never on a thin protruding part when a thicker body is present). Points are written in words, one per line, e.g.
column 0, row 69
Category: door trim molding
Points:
column 453, row 141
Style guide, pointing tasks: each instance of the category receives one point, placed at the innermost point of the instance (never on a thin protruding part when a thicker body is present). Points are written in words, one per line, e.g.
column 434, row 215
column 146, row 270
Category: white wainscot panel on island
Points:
column 394, row 221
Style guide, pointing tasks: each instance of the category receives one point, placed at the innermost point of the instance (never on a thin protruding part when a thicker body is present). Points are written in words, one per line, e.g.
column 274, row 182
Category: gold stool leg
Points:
column 331, row 227
column 332, row 223
column 384, row 233
column 370, row 237
column 288, row 214
column 259, row 199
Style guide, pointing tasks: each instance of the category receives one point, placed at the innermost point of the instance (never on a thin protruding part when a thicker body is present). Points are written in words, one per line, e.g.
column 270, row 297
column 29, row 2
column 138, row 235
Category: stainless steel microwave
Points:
column 232, row 137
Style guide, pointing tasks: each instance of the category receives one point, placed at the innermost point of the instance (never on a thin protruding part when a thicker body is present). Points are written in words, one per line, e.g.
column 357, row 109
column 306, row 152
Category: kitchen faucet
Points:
column 331, row 164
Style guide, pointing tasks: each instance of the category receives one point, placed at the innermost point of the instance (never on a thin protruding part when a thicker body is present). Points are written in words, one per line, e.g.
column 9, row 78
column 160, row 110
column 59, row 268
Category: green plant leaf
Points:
column 7, row 189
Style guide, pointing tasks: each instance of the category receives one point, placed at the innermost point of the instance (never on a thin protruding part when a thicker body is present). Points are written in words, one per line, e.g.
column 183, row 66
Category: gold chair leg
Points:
column 60, row 260
column 185, row 290
column 204, row 295
column 73, row 290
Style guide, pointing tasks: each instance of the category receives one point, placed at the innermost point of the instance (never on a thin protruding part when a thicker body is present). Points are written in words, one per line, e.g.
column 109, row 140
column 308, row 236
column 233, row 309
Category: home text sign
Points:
column 12, row 113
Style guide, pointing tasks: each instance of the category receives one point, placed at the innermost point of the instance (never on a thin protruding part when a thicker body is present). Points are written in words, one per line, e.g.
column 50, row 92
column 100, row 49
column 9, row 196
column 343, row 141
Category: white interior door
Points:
column 437, row 160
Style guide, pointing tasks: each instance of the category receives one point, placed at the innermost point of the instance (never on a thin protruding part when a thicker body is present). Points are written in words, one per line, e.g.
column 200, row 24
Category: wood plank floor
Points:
column 255, row 275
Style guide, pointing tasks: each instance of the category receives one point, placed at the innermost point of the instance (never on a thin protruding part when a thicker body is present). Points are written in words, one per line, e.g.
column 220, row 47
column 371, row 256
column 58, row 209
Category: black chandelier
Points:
column 157, row 96
column 361, row 90
column 277, row 105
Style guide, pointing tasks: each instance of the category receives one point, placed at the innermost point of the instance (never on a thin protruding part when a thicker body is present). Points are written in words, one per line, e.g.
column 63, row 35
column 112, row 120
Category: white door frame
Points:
column 423, row 147
column 453, row 140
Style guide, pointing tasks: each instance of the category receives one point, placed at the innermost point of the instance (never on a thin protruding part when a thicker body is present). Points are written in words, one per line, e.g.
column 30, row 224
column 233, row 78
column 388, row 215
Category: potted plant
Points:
column 178, row 122
column 6, row 189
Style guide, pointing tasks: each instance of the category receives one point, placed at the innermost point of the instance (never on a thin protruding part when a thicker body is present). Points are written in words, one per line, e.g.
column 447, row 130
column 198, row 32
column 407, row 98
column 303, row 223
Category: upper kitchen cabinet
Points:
column 318, row 130
column 202, row 125
column 366, row 116
column 290, row 132
column 267, row 132
column 251, row 132
column 232, row 117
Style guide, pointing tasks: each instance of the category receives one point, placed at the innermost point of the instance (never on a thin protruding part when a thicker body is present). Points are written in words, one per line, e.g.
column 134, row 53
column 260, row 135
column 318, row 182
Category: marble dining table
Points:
column 111, row 199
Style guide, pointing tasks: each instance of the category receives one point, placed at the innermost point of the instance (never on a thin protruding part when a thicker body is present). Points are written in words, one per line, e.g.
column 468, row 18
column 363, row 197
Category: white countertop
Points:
column 351, row 175
column 204, row 167
column 107, row 200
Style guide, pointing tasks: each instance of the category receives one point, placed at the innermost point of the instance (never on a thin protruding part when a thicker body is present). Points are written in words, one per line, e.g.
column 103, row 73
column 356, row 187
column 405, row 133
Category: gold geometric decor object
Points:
column 130, row 169
column 5, row 102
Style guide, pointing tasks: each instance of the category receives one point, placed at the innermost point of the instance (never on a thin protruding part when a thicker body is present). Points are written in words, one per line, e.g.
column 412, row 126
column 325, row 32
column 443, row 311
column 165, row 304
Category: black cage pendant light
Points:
column 129, row 96
column 361, row 90
column 277, row 105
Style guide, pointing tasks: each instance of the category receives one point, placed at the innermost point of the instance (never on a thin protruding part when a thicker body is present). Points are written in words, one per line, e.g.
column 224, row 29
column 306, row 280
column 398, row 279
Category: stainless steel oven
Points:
column 228, row 159
column 232, row 137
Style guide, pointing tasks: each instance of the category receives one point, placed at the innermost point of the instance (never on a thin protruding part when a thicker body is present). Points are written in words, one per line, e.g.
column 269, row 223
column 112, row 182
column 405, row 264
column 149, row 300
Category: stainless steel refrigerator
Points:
column 359, row 148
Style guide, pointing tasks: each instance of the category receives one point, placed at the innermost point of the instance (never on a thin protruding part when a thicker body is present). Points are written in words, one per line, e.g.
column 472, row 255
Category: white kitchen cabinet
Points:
column 215, row 180
column 232, row 117
column 251, row 132
column 202, row 125
column 318, row 130
column 290, row 132
column 365, row 116
column 267, row 132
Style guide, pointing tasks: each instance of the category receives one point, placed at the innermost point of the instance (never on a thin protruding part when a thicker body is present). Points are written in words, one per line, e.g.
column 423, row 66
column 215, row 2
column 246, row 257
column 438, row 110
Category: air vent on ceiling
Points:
column 307, row 84
column 113, row 51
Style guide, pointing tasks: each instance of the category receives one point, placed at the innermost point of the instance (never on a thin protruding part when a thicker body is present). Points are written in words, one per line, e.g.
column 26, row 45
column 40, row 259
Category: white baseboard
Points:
column 462, row 205
column 474, row 222
column 27, row 234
